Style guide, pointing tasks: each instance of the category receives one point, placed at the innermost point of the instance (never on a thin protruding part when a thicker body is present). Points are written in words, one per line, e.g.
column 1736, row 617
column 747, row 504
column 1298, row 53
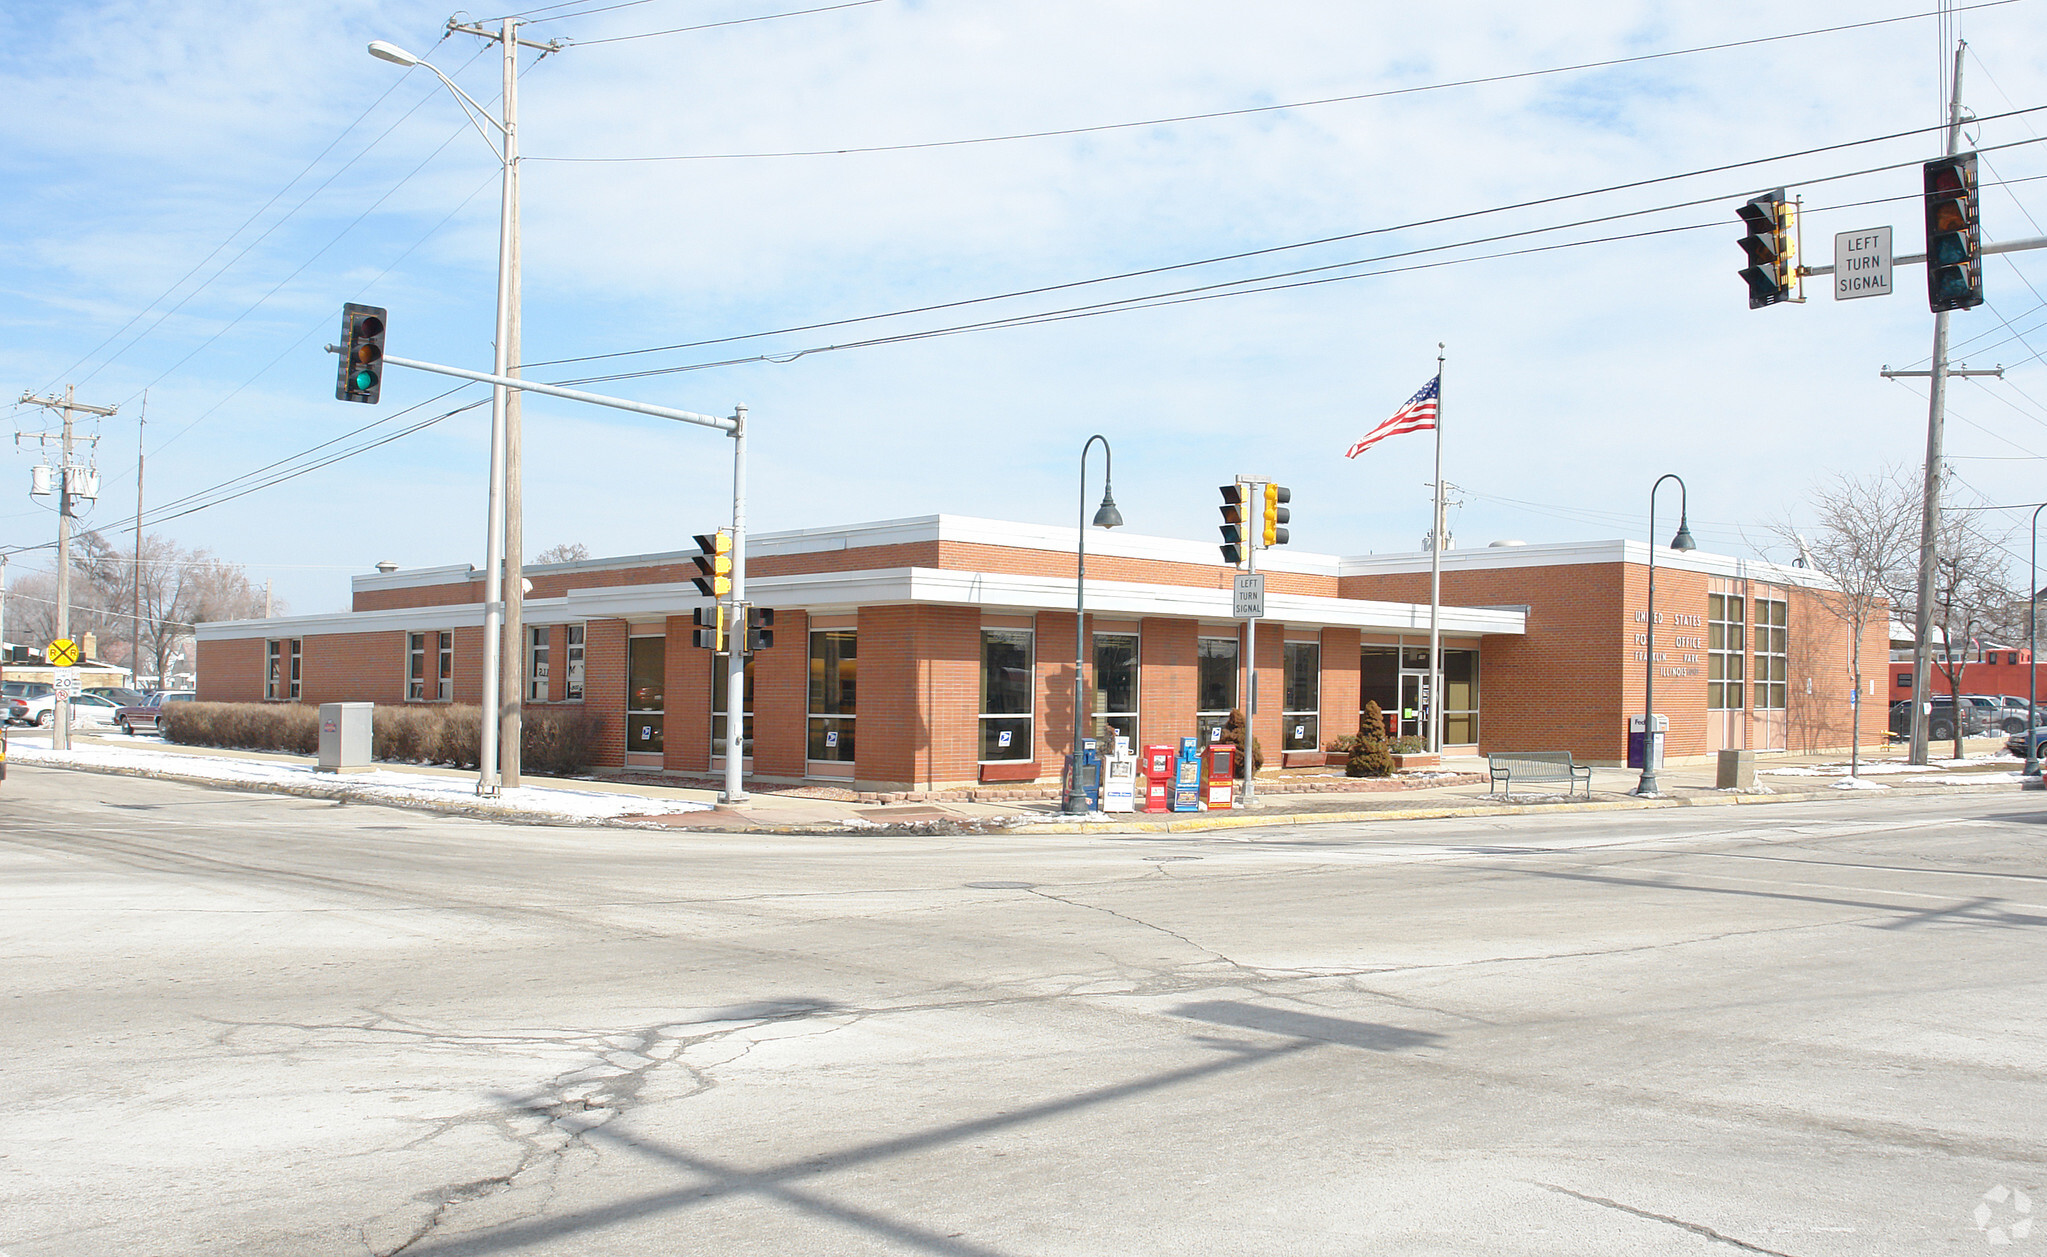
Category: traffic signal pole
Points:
column 733, row 425
column 1929, row 507
column 735, row 660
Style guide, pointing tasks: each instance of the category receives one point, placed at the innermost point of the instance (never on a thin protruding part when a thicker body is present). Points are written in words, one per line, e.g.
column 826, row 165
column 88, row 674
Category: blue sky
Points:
column 197, row 187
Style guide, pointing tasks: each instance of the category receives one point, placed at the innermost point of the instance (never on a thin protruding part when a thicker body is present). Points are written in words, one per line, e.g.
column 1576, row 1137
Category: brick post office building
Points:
column 939, row 651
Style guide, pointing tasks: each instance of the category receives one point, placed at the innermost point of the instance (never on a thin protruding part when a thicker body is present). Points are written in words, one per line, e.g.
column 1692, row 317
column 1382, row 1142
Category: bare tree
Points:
column 1972, row 598
column 567, row 552
column 1866, row 543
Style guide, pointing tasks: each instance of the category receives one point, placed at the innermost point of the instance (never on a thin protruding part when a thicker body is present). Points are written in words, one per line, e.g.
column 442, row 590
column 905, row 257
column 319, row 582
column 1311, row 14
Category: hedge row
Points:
column 555, row 742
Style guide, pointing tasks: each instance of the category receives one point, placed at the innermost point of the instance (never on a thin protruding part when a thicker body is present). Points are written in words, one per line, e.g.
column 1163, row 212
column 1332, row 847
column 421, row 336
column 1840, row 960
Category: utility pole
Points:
column 1929, row 518
column 510, row 662
column 135, row 633
column 67, row 495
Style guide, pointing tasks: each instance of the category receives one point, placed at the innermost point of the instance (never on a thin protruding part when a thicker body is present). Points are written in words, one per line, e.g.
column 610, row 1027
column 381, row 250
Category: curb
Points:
column 1189, row 825
column 1248, row 821
column 335, row 794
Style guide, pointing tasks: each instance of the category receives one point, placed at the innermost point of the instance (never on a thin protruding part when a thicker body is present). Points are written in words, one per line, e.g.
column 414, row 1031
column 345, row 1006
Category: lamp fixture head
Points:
column 1108, row 516
column 386, row 51
column 1683, row 540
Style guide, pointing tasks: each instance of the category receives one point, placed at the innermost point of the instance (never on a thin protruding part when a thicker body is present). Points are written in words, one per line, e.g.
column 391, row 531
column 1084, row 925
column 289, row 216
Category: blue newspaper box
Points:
column 1187, row 777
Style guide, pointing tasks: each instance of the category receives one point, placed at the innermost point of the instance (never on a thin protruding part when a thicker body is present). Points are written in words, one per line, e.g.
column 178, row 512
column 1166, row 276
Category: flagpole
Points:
column 1435, row 699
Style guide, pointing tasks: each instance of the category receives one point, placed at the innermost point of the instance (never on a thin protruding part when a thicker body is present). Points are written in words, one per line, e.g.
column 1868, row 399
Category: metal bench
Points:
column 1509, row 767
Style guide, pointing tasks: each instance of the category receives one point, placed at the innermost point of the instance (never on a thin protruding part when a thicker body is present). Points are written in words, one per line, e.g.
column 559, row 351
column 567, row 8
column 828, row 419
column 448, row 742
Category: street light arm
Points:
column 470, row 109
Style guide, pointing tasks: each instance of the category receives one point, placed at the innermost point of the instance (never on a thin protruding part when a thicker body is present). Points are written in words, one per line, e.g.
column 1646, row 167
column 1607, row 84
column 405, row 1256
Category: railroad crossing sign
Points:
column 62, row 653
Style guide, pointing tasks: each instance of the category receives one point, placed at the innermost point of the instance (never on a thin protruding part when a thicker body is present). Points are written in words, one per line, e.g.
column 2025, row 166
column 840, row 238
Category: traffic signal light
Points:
column 362, row 354
column 760, row 628
column 1954, row 235
column 1772, row 248
column 1276, row 514
column 714, row 565
column 709, row 633
column 1235, row 540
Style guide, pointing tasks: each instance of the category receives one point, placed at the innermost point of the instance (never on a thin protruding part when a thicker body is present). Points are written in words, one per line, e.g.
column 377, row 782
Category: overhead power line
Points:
column 705, row 26
column 1268, row 251
column 1246, row 111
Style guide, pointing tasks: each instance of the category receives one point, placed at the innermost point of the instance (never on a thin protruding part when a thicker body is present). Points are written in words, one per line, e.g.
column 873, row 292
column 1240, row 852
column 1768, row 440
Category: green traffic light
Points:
column 364, row 381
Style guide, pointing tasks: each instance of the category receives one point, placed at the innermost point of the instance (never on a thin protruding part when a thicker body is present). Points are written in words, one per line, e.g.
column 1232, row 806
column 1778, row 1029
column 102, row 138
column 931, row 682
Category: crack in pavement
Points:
column 575, row 1103
column 1694, row 1227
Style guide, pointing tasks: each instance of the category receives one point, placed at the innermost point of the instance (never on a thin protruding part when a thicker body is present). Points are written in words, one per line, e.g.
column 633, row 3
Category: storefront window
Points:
column 1772, row 649
column 1302, row 714
column 646, row 693
column 1460, row 697
column 834, row 668
column 572, row 683
column 281, row 676
column 720, row 687
column 1379, row 679
column 1115, row 688
column 1726, row 633
column 429, row 667
column 1215, row 685
column 536, row 664
column 1005, row 695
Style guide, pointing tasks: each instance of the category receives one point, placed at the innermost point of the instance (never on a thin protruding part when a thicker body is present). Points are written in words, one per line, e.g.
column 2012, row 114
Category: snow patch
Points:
column 377, row 786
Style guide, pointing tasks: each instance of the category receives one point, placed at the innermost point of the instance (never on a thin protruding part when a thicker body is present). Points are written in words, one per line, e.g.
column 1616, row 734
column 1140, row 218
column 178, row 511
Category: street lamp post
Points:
column 1683, row 541
column 1105, row 517
column 503, row 402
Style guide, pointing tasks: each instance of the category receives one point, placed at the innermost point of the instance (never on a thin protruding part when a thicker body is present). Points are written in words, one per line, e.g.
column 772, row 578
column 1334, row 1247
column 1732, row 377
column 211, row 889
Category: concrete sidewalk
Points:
column 815, row 808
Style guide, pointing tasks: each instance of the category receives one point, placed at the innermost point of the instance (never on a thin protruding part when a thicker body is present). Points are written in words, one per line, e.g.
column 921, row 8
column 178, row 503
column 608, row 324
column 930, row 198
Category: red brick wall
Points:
column 888, row 728
column 781, row 698
column 231, row 671
column 1341, row 686
column 957, row 555
column 353, row 668
column 1054, row 692
column 1268, row 724
column 1166, row 688
column 604, row 687
column 687, row 680
column 1559, row 687
column 441, row 595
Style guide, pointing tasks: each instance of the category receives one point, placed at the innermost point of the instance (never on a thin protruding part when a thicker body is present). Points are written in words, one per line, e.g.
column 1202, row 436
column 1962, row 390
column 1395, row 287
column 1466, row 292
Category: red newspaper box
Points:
column 1155, row 773
column 1219, row 776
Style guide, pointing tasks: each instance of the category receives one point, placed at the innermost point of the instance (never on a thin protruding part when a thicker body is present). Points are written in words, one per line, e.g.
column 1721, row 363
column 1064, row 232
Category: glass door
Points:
column 645, row 699
column 1414, row 719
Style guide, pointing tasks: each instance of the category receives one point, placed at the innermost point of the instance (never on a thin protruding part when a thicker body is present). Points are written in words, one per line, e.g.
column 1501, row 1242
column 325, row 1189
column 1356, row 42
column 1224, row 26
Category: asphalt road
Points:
column 244, row 1024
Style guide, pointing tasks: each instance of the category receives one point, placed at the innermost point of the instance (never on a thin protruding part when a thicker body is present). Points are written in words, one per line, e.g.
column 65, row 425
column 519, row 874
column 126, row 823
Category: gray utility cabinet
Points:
column 345, row 737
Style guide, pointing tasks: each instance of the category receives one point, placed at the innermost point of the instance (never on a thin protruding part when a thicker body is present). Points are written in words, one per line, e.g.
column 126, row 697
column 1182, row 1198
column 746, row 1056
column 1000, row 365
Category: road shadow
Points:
column 789, row 1184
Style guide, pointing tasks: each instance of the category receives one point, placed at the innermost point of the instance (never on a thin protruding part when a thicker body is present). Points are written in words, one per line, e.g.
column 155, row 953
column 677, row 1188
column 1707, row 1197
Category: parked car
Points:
column 2016, row 743
column 86, row 709
column 1940, row 722
column 2019, row 701
column 13, row 709
column 122, row 695
column 1999, row 712
column 24, row 689
column 142, row 717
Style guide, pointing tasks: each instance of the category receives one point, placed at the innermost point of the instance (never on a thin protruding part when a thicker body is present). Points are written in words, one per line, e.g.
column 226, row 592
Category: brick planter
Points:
column 1422, row 760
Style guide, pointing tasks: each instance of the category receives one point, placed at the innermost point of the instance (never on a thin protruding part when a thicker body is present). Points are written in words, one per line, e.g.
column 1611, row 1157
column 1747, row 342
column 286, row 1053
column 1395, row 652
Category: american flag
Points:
column 1418, row 415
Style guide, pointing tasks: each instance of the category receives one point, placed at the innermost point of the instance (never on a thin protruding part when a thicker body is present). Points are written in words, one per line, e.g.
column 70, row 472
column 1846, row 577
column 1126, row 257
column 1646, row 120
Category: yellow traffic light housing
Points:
column 1276, row 514
column 714, row 564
